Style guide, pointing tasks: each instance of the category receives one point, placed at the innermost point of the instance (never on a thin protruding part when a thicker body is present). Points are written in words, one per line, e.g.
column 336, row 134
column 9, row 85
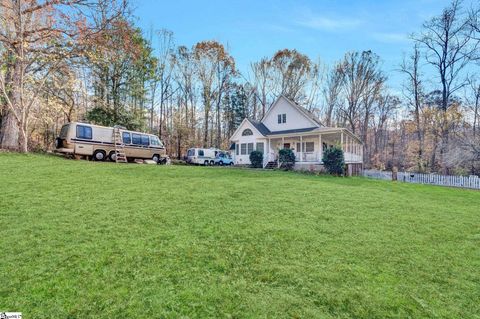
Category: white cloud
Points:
column 327, row 23
column 391, row 37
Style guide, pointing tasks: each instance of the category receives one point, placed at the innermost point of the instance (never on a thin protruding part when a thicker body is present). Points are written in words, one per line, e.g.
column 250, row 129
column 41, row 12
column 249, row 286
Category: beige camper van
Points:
column 97, row 142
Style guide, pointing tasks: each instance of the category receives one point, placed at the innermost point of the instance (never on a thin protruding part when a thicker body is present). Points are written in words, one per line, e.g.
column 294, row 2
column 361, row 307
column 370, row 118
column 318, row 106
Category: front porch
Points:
column 308, row 147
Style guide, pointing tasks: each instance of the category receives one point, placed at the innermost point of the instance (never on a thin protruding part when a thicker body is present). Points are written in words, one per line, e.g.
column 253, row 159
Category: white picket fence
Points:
column 471, row 181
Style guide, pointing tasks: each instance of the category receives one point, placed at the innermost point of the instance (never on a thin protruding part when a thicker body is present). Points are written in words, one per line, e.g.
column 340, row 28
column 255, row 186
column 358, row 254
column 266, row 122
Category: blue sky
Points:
column 322, row 28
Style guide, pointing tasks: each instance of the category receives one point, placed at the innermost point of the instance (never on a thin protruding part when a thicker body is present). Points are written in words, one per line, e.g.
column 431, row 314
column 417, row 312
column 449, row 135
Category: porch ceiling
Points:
column 324, row 132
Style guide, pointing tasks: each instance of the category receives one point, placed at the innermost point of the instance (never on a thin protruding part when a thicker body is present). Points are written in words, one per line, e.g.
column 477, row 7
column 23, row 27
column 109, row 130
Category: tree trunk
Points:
column 9, row 134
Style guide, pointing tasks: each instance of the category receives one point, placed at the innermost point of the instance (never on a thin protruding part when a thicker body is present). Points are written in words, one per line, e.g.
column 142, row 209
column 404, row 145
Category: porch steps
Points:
column 271, row 165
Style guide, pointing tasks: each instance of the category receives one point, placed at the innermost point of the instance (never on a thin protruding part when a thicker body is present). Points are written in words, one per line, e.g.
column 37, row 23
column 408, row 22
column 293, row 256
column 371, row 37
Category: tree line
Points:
column 79, row 60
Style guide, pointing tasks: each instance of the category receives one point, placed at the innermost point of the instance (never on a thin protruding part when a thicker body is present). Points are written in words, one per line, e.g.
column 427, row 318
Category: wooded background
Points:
column 69, row 60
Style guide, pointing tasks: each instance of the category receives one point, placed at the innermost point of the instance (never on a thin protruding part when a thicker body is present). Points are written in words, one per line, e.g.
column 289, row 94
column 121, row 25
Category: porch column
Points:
column 320, row 147
column 347, row 146
column 301, row 148
column 341, row 137
column 268, row 151
column 283, row 145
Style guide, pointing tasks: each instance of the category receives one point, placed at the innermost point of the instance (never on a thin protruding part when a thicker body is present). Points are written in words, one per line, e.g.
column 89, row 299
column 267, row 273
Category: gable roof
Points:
column 260, row 127
column 309, row 115
column 298, row 130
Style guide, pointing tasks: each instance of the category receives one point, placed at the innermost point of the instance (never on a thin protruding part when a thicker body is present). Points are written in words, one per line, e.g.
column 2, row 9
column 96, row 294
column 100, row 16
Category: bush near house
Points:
column 334, row 161
column 286, row 158
column 256, row 159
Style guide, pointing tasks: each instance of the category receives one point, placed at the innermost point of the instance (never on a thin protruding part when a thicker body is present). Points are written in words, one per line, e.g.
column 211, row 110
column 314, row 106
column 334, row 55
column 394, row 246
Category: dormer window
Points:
column 282, row 118
column 247, row 132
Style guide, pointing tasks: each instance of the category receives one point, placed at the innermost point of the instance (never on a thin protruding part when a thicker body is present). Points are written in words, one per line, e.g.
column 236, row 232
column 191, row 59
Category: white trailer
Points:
column 202, row 156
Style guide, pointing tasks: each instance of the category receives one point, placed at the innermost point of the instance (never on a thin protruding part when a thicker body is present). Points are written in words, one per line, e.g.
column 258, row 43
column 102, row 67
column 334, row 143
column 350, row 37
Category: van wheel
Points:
column 99, row 156
column 220, row 163
column 205, row 163
column 231, row 164
column 112, row 156
column 212, row 163
column 156, row 158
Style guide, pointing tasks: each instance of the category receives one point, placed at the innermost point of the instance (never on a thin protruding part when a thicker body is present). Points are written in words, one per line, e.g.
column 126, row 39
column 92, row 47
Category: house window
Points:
column 247, row 132
column 261, row 147
column 250, row 148
column 279, row 118
column 284, row 118
column 84, row 132
column 243, row 149
column 309, row 147
column 126, row 138
column 237, row 149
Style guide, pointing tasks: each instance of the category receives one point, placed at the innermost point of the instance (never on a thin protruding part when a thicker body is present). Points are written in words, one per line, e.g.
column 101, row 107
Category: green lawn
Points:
column 98, row 240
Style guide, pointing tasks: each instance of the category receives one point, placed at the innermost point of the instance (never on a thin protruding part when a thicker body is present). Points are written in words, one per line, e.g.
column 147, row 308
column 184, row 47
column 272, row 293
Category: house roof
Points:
column 299, row 130
column 260, row 127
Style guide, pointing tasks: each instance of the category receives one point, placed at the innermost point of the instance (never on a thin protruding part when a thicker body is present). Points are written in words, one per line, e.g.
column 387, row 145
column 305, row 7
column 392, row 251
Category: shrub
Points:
column 286, row 158
column 334, row 161
column 256, row 159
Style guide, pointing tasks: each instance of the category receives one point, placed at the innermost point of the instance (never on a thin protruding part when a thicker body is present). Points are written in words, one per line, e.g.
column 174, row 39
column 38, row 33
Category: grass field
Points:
column 98, row 240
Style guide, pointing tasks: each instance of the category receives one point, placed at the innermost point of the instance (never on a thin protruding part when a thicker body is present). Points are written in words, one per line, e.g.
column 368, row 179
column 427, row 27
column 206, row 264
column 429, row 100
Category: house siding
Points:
column 295, row 119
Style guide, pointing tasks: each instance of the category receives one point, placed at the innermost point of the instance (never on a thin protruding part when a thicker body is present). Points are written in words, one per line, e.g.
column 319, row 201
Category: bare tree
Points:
column 215, row 67
column 332, row 93
column 262, row 77
column 163, row 76
column 414, row 94
column 450, row 47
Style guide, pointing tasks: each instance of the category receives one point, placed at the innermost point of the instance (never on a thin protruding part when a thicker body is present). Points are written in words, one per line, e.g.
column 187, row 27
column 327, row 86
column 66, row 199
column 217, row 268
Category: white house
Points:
column 288, row 125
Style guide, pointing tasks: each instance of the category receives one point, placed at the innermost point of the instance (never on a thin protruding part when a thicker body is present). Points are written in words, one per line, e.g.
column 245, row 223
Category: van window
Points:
column 154, row 141
column 191, row 153
column 64, row 131
column 137, row 139
column 84, row 132
column 126, row 138
column 201, row 153
column 145, row 140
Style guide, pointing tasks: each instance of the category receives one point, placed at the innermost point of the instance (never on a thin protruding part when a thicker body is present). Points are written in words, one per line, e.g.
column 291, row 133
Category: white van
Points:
column 202, row 156
column 98, row 142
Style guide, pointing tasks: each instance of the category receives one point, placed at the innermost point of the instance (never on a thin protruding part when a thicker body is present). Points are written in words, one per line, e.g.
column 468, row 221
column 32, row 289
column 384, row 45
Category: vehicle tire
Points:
column 58, row 142
column 156, row 158
column 231, row 164
column 112, row 156
column 205, row 163
column 212, row 163
column 99, row 155
column 220, row 163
